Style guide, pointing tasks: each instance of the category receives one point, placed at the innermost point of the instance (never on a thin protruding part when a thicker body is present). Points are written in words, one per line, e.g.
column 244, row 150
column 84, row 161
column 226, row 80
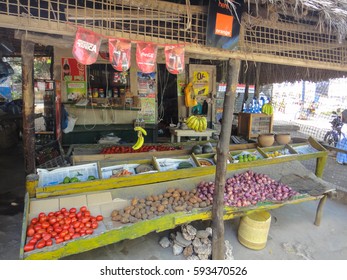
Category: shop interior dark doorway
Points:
column 167, row 101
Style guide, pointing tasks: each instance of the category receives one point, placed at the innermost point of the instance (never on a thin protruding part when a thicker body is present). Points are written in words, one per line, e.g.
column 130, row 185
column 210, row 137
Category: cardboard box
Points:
column 56, row 176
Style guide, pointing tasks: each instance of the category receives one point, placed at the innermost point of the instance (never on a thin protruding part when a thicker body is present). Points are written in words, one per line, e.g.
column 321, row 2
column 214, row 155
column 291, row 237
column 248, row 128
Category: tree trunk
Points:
column 218, row 246
column 28, row 106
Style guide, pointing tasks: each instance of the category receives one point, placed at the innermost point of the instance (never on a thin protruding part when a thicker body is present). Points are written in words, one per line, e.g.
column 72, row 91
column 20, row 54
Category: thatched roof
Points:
column 330, row 15
column 324, row 16
column 285, row 73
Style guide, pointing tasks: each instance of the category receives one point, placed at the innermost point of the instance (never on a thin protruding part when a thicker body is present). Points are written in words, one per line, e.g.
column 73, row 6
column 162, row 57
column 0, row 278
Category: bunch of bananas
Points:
column 197, row 123
column 267, row 109
column 140, row 140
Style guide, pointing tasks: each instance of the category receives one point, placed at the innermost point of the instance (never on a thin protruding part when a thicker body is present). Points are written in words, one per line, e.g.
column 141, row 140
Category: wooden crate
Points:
column 251, row 125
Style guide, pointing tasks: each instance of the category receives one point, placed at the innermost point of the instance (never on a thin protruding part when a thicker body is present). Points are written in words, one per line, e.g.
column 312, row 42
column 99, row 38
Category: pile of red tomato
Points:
column 144, row 148
column 60, row 226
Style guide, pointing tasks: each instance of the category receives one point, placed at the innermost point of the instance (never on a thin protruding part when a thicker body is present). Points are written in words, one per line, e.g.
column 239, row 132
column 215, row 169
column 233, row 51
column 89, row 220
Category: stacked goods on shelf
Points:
column 248, row 188
column 48, row 229
column 50, row 155
column 242, row 190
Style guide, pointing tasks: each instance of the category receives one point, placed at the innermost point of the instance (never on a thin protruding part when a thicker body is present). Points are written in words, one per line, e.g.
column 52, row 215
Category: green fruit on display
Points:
column 66, row 180
column 207, row 148
column 197, row 149
column 184, row 164
column 247, row 158
column 74, row 180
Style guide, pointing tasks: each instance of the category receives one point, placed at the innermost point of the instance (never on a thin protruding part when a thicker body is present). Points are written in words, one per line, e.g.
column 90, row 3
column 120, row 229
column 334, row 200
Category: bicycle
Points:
column 333, row 136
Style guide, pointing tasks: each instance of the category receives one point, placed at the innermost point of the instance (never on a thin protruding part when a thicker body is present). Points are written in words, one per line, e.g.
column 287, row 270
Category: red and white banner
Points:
column 86, row 46
column 120, row 54
column 146, row 57
column 174, row 59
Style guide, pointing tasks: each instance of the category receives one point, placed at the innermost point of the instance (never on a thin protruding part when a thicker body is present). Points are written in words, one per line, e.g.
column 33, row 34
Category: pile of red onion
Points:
column 247, row 189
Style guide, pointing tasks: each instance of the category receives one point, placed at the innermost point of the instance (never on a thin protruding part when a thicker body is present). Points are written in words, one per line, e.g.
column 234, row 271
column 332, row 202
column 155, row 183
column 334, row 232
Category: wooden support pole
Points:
column 218, row 246
column 320, row 165
column 28, row 106
column 319, row 211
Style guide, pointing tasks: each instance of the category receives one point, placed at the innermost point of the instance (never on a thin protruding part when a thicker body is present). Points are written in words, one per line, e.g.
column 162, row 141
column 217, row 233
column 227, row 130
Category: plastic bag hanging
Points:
column 86, row 46
column 146, row 57
column 174, row 58
column 120, row 54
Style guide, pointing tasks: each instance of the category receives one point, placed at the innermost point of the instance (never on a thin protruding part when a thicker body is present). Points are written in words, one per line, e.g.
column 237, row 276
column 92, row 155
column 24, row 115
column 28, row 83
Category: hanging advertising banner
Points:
column 174, row 59
column 223, row 24
column 120, row 54
column 71, row 70
column 148, row 106
column 250, row 96
column 86, row 46
column 200, row 83
column 76, row 90
column 146, row 57
column 181, row 84
column 146, row 84
column 240, row 95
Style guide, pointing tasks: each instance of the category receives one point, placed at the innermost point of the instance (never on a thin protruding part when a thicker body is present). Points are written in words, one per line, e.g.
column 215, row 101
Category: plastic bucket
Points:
column 253, row 230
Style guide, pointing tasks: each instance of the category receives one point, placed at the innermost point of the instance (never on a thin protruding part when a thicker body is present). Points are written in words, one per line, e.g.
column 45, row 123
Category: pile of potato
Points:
column 173, row 200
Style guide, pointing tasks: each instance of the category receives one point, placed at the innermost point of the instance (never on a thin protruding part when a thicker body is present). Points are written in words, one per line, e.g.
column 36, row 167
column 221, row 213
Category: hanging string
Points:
column 85, row 107
column 189, row 16
column 163, row 86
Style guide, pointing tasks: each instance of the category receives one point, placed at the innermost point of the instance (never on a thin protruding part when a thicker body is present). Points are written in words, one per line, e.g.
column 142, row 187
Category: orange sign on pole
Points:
column 224, row 25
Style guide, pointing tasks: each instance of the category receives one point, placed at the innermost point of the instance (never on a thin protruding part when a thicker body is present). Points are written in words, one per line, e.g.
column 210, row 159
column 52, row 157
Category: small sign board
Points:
column 223, row 24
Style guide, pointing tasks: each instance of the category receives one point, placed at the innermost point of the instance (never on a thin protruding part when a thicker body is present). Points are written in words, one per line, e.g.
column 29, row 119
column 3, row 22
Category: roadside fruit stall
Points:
column 173, row 191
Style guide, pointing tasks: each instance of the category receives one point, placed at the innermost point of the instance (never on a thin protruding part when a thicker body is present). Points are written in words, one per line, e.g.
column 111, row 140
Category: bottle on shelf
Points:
column 109, row 93
column 250, row 107
column 101, row 93
column 116, row 92
column 90, row 93
column 95, row 93
column 244, row 108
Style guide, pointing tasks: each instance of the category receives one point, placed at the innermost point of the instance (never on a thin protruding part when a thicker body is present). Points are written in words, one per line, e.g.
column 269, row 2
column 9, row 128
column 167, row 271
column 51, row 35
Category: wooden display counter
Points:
column 109, row 231
column 104, row 194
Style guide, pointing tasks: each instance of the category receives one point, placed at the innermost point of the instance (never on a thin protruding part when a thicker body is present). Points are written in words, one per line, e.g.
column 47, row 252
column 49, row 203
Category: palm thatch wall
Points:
column 312, row 30
column 328, row 15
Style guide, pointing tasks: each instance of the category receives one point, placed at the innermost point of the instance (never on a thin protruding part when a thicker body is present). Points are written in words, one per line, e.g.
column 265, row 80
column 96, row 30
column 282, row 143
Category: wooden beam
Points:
column 119, row 15
column 45, row 40
column 28, row 106
column 266, row 58
column 161, row 6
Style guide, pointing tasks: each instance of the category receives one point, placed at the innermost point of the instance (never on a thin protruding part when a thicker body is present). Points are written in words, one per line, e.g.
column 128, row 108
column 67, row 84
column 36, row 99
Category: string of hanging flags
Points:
column 87, row 46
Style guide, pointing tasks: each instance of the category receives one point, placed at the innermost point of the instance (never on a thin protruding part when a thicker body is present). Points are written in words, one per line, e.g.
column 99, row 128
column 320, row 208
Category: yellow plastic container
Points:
column 254, row 229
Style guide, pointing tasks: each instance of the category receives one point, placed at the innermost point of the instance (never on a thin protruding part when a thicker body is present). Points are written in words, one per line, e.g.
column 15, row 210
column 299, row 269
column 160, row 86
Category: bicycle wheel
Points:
column 330, row 138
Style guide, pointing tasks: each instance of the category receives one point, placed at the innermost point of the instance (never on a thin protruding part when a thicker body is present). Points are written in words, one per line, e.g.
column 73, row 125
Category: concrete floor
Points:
column 292, row 236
